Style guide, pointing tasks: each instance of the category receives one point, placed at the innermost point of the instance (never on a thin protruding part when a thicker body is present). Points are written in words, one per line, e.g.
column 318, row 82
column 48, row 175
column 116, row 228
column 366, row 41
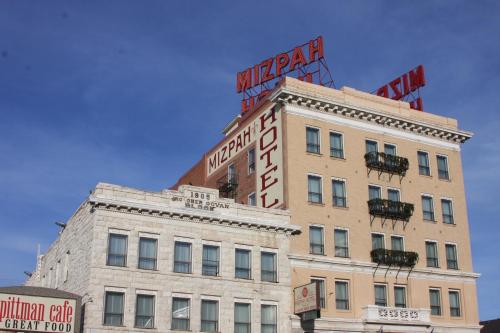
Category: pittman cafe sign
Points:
column 306, row 301
column 36, row 309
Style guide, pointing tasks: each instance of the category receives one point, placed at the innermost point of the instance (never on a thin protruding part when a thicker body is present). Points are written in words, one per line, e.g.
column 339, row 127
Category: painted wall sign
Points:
column 37, row 314
column 265, row 132
column 306, row 298
column 255, row 82
column 403, row 87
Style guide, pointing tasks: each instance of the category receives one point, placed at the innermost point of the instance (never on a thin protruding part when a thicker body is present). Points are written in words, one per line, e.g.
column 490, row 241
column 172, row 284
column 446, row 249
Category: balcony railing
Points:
column 388, row 209
column 377, row 314
column 383, row 162
column 394, row 258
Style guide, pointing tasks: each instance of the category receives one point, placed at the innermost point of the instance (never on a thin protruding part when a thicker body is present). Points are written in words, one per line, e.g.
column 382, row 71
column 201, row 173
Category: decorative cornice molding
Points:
column 181, row 215
column 284, row 96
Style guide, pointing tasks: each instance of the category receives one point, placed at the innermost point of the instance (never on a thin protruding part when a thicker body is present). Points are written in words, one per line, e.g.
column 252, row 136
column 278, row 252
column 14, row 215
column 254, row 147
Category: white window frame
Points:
column 324, row 287
column 233, row 164
column 66, row 266
column 406, row 294
column 372, row 140
column 437, row 252
column 254, row 162
column 452, row 209
column 276, row 304
column 276, row 252
column 427, row 195
column 321, row 185
column 348, row 242
column 440, row 301
column 428, row 160
column 390, row 188
column 248, row 199
column 343, row 143
column 212, row 298
column 115, row 290
column 322, row 236
column 400, row 236
column 379, row 233
column 183, row 240
column 155, row 310
column 185, row 296
column 212, row 243
column 447, row 166
column 456, row 253
column 319, row 137
column 243, row 301
column 151, row 236
column 375, row 185
column 122, row 232
column 345, row 190
column 385, row 285
column 459, row 302
column 391, row 144
column 349, row 296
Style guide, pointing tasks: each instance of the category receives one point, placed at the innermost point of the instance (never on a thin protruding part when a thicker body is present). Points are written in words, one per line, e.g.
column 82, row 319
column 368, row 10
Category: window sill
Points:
column 340, row 257
column 448, row 180
column 426, row 176
column 145, row 328
column 430, row 221
column 450, row 224
column 343, row 159
column 319, row 204
column 341, row 207
column 318, row 254
column 314, row 154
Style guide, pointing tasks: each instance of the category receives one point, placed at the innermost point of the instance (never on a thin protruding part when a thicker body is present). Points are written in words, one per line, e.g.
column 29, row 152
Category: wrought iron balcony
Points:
column 388, row 209
column 382, row 162
column 227, row 186
column 381, row 314
column 394, row 258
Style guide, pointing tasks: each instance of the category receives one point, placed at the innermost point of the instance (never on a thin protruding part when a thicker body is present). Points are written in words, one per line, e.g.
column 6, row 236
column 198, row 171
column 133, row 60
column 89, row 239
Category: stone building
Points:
column 181, row 260
column 377, row 188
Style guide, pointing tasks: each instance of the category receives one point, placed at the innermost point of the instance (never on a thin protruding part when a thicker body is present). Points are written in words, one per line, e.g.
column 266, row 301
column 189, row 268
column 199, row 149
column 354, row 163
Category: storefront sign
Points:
column 306, row 298
column 404, row 86
column 37, row 314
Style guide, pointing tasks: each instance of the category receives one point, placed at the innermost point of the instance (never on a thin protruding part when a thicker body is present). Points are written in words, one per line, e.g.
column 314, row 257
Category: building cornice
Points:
column 384, row 119
column 160, row 211
column 349, row 266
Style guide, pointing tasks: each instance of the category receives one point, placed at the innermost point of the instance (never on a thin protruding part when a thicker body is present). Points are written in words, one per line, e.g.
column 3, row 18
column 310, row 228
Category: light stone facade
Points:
column 77, row 260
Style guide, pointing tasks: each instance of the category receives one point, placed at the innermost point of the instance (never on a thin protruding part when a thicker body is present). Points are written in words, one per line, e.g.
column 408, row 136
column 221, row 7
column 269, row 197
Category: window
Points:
column 451, row 256
column 58, row 264
column 312, row 139
column 435, row 301
column 397, row 243
column 242, row 264
column 242, row 318
column 252, row 201
column 113, row 308
column 316, row 245
column 427, row 208
column 268, row 319
column 210, row 264
column 399, row 297
column 442, row 162
column 431, row 253
column 341, row 243
column 231, row 174
column 378, row 241
column 181, row 313
column 447, row 209
column 389, row 149
column 251, row 161
column 341, row 295
column 182, row 257
column 423, row 163
column 66, row 267
column 371, row 146
column 147, row 253
column 117, row 250
column 380, row 295
column 454, row 296
column 268, row 267
column 374, row 192
column 393, row 195
column 338, row 190
column 209, row 316
column 314, row 189
column 144, row 311
column 322, row 294
column 336, row 145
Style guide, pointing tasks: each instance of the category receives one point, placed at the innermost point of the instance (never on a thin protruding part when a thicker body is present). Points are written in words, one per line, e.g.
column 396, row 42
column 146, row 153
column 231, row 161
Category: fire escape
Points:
column 228, row 186
column 394, row 258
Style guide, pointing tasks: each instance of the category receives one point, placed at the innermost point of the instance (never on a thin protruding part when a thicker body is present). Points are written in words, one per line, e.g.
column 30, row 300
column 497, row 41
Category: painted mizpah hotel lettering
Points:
column 266, row 132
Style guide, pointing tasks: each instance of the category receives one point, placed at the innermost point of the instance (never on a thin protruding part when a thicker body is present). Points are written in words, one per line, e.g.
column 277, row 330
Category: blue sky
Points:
column 133, row 92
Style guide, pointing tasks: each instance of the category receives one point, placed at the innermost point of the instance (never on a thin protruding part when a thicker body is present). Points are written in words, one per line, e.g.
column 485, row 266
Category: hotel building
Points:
column 183, row 260
column 378, row 191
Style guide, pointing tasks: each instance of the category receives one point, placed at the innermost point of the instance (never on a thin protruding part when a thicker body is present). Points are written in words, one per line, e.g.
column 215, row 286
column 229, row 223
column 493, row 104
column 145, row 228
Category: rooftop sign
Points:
column 306, row 61
column 406, row 87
